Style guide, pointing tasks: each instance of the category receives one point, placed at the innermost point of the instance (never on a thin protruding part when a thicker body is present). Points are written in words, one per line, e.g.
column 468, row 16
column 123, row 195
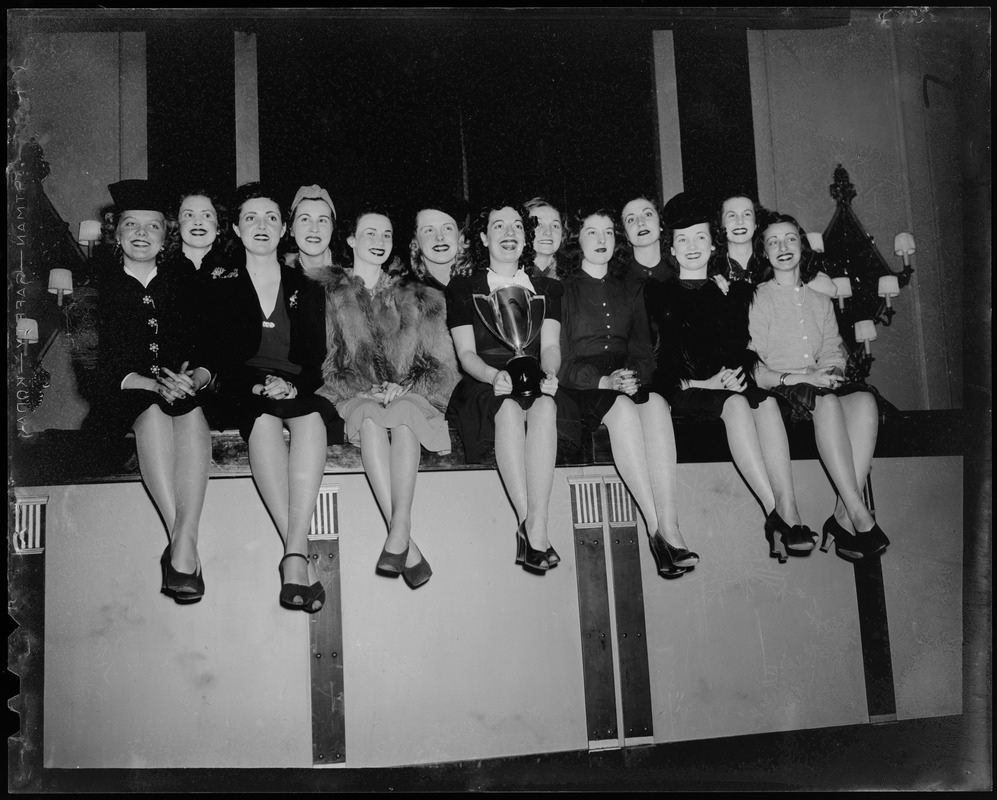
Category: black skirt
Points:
column 252, row 406
column 472, row 410
column 708, row 404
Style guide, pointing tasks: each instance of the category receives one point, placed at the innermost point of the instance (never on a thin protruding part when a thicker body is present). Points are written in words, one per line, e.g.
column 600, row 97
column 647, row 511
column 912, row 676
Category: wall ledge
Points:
column 61, row 457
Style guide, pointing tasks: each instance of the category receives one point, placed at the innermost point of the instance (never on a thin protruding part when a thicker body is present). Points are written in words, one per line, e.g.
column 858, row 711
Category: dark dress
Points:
column 143, row 329
column 661, row 272
column 723, row 264
column 289, row 344
column 217, row 410
column 604, row 327
column 473, row 404
column 699, row 331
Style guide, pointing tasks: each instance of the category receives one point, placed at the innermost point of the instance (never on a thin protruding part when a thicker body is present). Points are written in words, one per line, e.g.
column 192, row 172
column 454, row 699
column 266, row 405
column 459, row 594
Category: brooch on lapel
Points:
column 220, row 272
column 293, row 302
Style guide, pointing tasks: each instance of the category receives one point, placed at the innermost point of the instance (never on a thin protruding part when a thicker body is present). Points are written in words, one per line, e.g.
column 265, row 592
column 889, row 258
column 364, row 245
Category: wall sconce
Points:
column 903, row 246
column 844, row 289
column 27, row 332
column 865, row 332
column 89, row 233
column 60, row 282
column 889, row 287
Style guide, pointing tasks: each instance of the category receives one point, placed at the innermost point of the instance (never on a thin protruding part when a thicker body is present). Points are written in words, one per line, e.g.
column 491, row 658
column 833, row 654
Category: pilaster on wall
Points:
column 247, row 110
column 666, row 95
column 133, row 108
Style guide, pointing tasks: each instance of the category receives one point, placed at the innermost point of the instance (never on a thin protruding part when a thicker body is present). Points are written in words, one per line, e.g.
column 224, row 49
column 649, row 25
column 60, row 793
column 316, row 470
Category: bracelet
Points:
column 782, row 378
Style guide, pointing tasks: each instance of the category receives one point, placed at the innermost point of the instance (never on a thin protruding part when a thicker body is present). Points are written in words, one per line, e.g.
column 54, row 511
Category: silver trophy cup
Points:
column 515, row 315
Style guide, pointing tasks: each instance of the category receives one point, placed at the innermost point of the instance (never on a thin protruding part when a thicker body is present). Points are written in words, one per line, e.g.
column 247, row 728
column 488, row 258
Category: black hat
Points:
column 137, row 195
column 685, row 210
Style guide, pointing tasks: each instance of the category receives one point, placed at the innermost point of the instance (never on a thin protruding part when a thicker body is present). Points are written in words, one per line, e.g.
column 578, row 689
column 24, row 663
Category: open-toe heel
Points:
column 787, row 540
column 310, row 595
column 846, row 545
column 873, row 542
column 531, row 559
column 183, row 587
column 661, row 551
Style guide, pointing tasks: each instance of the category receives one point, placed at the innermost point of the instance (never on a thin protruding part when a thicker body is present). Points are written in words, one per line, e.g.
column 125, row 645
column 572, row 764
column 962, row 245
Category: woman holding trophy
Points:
column 506, row 322
column 607, row 355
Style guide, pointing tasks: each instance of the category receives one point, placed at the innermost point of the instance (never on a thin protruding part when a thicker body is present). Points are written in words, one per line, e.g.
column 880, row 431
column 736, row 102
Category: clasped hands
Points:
column 825, row 377
column 276, row 388
column 172, row 386
column 621, row 380
column 731, row 380
column 502, row 383
column 387, row 391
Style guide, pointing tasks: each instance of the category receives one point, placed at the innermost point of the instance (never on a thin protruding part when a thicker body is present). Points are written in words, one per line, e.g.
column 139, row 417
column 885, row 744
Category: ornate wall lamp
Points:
column 866, row 284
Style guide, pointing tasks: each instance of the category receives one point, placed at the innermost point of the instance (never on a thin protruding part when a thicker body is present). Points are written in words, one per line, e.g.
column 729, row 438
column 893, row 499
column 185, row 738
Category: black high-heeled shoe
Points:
column 662, row 553
column 846, row 545
column 391, row 564
column 552, row 557
column 310, row 595
column 526, row 555
column 873, row 542
column 416, row 575
column 183, row 587
column 680, row 556
column 787, row 540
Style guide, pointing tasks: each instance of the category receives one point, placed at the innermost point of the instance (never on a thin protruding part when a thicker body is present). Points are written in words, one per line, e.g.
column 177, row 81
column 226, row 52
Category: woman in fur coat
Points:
column 389, row 370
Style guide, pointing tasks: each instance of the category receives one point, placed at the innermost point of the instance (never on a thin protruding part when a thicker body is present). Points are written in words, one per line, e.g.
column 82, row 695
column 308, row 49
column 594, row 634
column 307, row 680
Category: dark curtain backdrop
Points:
column 400, row 110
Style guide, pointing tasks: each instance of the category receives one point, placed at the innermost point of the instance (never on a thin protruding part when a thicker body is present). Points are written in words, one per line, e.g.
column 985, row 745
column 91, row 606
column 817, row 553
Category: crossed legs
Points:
column 846, row 429
column 643, row 443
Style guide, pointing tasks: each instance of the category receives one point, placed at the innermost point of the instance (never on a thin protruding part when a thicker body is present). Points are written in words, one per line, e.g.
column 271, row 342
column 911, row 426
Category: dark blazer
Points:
column 238, row 328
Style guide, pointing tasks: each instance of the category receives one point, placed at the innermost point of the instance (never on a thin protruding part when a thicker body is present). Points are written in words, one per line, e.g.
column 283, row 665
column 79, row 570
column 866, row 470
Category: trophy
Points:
column 514, row 315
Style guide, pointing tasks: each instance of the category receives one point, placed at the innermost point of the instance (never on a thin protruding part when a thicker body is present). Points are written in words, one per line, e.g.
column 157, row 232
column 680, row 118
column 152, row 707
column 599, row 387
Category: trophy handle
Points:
column 538, row 308
column 483, row 305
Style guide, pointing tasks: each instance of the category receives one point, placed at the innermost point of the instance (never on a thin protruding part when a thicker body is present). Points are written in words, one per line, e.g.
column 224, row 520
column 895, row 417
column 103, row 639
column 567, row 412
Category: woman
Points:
column 607, row 354
column 642, row 223
column 436, row 244
column 271, row 343
column 739, row 217
column 548, row 233
column 524, row 429
column 200, row 219
column 313, row 221
column 148, row 336
column 704, row 368
column 389, row 369
column 795, row 334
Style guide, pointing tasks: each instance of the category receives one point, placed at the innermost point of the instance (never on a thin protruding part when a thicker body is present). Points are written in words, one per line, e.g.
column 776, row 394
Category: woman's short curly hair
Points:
column 476, row 256
column 572, row 260
column 108, row 243
column 223, row 241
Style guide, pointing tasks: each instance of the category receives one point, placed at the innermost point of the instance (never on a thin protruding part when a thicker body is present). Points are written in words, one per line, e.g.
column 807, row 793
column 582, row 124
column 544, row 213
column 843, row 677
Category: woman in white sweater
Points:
column 795, row 333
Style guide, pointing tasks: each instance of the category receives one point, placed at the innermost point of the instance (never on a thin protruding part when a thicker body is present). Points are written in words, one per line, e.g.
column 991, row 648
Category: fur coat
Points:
column 396, row 333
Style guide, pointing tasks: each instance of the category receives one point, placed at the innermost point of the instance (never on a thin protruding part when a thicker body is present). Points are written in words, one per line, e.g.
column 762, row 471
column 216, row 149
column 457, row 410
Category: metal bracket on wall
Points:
column 325, row 636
